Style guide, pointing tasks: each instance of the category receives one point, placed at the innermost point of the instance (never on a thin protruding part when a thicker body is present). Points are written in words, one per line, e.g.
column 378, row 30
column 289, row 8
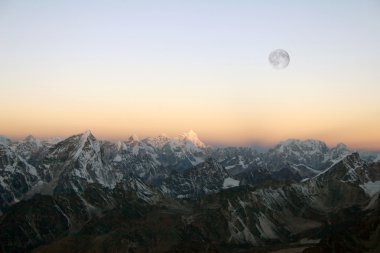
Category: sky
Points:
column 149, row 67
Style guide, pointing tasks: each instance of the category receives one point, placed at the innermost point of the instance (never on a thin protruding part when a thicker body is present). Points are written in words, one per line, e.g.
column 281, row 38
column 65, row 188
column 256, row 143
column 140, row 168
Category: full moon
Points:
column 279, row 59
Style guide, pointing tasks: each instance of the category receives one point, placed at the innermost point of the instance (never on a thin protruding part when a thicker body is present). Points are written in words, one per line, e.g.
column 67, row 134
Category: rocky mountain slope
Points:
column 34, row 166
column 205, row 178
column 138, row 217
column 177, row 194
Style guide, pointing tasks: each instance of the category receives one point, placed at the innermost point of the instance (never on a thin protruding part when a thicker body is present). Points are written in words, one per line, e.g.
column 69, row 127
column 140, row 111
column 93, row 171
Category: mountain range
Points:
column 163, row 194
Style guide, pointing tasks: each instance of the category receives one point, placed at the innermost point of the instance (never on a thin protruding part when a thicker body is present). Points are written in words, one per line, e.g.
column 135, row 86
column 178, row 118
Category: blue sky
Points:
column 113, row 60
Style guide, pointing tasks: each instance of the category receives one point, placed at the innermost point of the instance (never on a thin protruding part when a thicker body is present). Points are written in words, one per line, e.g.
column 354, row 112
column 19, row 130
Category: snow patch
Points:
column 266, row 227
column 230, row 182
column 135, row 150
column 193, row 138
column 230, row 167
column 371, row 188
column 117, row 158
column 373, row 202
column 83, row 140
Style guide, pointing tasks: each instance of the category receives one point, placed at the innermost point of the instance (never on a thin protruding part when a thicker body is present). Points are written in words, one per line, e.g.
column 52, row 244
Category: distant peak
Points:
column 293, row 141
column 85, row 138
column 30, row 138
column 133, row 137
column 161, row 138
column 191, row 132
column 288, row 142
column 341, row 146
column 310, row 143
column 193, row 137
column 86, row 134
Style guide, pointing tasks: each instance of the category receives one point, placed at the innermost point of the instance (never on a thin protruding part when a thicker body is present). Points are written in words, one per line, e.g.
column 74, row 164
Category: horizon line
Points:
column 218, row 144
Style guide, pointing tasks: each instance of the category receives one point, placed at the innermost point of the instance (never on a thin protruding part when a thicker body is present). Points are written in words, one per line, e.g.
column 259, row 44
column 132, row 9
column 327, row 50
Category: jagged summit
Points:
column 87, row 133
column 80, row 182
column 341, row 146
column 193, row 137
column 351, row 168
column 29, row 138
column 82, row 137
column 158, row 141
column 309, row 143
column 187, row 141
column 74, row 145
column 133, row 137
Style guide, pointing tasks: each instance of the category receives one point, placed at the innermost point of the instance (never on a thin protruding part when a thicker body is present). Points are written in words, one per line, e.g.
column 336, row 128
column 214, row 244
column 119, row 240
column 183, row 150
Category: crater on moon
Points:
column 279, row 58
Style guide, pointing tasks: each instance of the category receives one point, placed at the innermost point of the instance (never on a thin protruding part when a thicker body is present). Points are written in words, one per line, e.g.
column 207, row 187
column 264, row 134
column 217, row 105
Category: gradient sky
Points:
column 147, row 67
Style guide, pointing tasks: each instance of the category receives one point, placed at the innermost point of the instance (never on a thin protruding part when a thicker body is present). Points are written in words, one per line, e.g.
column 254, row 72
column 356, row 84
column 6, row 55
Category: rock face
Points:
column 307, row 158
column 135, row 216
column 45, row 218
column 75, row 162
column 312, row 154
column 17, row 177
column 194, row 183
column 179, row 195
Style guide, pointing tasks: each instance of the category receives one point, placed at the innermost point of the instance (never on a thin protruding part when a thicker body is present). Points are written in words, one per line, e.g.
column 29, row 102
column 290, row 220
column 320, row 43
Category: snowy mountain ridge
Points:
column 227, row 196
column 30, row 166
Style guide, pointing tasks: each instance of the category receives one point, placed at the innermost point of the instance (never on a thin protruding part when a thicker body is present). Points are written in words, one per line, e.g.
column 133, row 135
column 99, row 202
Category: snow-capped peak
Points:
column 305, row 143
column 86, row 133
column 350, row 168
column 302, row 146
column 81, row 141
column 157, row 142
column 193, row 137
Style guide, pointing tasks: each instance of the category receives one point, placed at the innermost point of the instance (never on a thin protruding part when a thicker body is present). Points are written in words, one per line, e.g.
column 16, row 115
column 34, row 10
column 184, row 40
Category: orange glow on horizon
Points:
column 229, row 128
column 191, row 65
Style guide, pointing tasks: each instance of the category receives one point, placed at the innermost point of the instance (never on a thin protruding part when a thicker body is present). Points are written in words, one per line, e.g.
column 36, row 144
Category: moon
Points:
column 279, row 59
